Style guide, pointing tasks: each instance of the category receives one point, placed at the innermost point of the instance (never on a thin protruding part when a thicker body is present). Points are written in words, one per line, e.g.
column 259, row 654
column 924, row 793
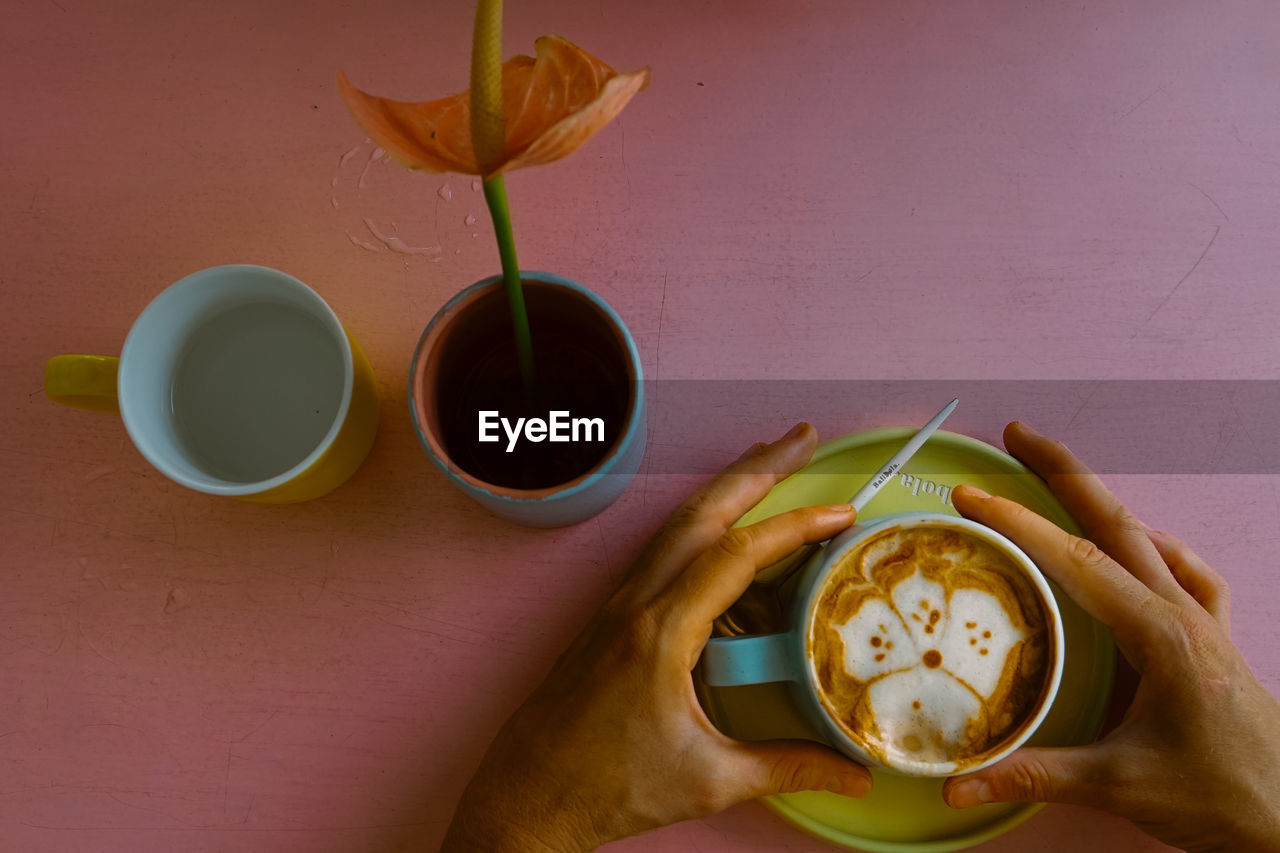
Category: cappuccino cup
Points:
column 922, row 643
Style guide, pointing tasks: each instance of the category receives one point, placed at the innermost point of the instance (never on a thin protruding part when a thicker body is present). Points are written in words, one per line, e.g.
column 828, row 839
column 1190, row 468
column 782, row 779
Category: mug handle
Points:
column 732, row 661
column 83, row 382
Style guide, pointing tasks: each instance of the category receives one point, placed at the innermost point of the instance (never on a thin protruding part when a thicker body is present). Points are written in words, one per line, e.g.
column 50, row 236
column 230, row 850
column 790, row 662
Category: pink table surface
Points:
column 825, row 190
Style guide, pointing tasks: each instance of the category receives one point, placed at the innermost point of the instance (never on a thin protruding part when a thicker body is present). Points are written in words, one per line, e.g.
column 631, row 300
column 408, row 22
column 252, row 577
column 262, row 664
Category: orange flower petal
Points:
column 433, row 137
column 563, row 137
column 551, row 105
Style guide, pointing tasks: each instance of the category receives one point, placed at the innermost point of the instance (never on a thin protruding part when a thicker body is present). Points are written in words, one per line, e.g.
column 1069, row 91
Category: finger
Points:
column 1091, row 578
column 1105, row 520
column 786, row 766
column 1124, row 690
column 715, row 507
column 1206, row 586
column 723, row 571
column 1075, row 775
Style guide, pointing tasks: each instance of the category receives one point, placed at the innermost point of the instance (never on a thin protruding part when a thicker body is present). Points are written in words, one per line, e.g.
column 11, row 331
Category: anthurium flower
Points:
column 551, row 104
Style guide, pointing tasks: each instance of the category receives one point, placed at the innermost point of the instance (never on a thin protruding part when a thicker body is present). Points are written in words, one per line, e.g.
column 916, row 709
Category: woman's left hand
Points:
column 613, row 742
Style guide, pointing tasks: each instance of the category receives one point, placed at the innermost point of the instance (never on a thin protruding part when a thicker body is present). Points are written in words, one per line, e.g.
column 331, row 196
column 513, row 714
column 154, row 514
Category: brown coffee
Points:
column 930, row 645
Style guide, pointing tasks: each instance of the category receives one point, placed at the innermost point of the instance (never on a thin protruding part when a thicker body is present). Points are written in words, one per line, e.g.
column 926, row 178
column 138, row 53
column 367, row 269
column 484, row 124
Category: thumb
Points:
column 786, row 766
column 1067, row 775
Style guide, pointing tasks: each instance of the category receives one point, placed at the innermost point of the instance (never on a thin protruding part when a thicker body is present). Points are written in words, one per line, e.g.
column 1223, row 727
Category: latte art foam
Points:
column 929, row 645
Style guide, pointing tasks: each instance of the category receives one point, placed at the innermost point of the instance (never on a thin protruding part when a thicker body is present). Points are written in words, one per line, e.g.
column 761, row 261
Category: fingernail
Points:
column 1025, row 427
column 967, row 794
column 975, row 493
column 840, row 507
column 794, row 432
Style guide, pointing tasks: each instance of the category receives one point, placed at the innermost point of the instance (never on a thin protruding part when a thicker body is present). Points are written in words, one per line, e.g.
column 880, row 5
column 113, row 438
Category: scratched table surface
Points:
column 887, row 192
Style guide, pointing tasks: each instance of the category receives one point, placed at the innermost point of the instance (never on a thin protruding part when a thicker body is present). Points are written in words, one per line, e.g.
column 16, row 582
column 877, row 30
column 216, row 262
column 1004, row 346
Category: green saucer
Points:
column 906, row 814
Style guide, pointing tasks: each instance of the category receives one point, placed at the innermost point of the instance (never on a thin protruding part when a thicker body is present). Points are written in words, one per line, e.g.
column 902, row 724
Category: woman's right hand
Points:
column 1196, row 760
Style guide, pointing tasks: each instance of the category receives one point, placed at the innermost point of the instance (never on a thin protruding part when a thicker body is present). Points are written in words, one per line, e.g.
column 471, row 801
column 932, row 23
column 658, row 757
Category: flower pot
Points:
column 475, row 422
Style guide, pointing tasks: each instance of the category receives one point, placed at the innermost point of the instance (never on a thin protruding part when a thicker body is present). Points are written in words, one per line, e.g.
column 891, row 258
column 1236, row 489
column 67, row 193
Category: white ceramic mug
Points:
column 237, row 380
column 729, row 661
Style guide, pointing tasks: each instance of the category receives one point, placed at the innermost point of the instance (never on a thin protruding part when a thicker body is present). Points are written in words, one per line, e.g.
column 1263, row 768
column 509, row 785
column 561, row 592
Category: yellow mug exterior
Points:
column 89, row 382
column 83, row 382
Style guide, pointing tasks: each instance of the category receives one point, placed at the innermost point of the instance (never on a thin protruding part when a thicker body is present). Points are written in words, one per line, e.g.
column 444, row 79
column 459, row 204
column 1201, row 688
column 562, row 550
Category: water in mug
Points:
column 255, row 390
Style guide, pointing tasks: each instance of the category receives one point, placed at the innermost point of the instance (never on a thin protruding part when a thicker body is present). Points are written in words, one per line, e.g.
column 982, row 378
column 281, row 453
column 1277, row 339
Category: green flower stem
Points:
column 495, row 195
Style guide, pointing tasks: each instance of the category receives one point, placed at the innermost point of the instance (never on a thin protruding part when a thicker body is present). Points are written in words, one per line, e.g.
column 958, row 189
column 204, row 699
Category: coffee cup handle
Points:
column 732, row 661
column 83, row 382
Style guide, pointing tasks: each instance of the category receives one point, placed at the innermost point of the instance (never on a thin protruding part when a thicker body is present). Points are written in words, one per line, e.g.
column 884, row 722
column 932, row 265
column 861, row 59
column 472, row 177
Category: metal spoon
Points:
column 759, row 610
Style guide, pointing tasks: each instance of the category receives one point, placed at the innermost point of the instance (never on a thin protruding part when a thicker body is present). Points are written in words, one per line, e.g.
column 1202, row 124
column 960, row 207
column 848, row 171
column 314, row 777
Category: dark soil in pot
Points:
column 582, row 369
